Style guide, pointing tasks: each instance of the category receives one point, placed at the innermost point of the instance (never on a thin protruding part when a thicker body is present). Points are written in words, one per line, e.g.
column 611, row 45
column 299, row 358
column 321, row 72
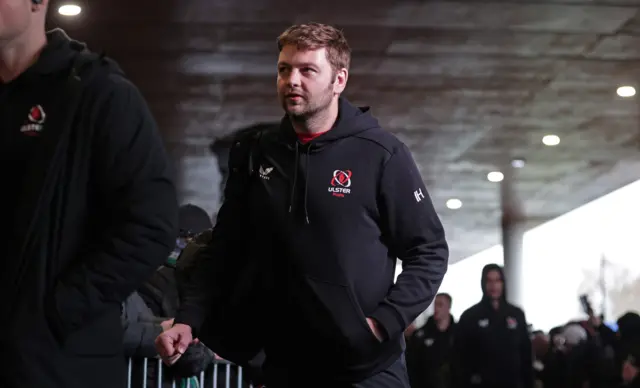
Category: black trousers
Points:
column 395, row 376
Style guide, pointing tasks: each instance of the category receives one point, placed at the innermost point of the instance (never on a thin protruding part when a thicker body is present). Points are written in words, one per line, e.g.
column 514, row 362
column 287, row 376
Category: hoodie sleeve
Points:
column 197, row 283
column 135, row 210
column 416, row 237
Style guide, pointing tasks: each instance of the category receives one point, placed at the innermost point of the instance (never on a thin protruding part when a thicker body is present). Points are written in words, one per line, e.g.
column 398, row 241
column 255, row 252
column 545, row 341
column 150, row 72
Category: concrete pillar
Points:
column 513, row 224
column 512, row 244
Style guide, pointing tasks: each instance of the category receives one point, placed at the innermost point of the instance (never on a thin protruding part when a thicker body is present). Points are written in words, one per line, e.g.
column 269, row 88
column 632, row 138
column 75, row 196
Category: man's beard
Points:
column 313, row 108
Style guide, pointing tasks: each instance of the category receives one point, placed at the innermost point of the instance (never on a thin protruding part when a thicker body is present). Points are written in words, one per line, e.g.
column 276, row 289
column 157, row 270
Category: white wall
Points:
column 562, row 258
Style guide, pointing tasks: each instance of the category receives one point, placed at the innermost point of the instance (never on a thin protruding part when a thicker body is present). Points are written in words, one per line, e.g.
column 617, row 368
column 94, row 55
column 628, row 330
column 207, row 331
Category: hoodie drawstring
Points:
column 295, row 178
column 306, row 185
column 295, row 181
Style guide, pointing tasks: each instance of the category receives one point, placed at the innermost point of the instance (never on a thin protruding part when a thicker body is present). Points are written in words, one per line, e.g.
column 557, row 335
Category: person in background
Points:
column 430, row 348
column 628, row 334
column 492, row 343
column 91, row 211
column 160, row 291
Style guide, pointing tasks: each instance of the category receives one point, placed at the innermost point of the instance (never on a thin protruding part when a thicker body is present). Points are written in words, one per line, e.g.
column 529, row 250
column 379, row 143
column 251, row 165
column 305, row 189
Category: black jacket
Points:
column 326, row 221
column 96, row 216
column 429, row 355
column 492, row 347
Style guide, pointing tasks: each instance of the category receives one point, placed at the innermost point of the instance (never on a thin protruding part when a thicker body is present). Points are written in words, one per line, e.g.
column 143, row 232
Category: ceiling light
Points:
column 551, row 140
column 626, row 91
column 495, row 176
column 69, row 10
column 454, row 203
column 518, row 163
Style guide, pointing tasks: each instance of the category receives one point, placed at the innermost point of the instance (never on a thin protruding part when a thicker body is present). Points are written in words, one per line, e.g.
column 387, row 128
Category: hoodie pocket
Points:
column 337, row 317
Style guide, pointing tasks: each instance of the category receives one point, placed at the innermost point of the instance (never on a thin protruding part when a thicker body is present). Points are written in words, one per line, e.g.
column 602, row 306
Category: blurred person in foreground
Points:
column 92, row 208
column 322, row 205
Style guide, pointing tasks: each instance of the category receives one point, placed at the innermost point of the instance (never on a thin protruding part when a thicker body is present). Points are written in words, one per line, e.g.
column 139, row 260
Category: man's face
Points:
column 441, row 307
column 15, row 17
column 306, row 81
column 494, row 284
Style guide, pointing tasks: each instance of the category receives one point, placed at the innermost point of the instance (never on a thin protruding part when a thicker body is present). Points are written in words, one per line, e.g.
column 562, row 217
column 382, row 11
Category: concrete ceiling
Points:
column 468, row 85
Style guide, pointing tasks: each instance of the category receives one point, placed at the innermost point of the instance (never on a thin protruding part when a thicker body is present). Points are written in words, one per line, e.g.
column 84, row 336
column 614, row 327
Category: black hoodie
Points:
column 493, row 348
column 329, row 218
column 429, row 355
column 94, row 213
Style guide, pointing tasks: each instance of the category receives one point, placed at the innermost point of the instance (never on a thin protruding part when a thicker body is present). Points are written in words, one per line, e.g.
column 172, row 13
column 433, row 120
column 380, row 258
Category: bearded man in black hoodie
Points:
column 92, row 209
column 492, row 344
column 325, row 204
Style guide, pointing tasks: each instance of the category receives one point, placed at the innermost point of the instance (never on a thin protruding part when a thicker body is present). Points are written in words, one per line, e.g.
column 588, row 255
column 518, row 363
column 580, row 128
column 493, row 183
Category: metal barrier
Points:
column 158, row 380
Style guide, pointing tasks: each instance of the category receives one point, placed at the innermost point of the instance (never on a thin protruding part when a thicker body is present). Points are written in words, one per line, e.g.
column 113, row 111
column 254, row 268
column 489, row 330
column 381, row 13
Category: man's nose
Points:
column 294, row 78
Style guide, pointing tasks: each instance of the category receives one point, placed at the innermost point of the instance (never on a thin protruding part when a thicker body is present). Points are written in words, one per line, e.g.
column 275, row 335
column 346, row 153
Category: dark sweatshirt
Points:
column 429, row 354
column 492, row 346
column 330, row 217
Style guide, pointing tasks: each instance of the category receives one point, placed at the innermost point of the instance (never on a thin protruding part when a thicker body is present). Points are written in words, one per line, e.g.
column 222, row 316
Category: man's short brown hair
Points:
column 314, row 36
column 446, row 296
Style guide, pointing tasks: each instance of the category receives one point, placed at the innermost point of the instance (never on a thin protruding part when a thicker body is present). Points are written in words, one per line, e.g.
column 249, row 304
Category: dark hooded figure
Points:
column 629, row 331
column 492, row 344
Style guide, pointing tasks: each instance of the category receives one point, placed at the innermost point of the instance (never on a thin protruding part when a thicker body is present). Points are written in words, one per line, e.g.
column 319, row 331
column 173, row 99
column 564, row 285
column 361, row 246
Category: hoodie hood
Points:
column 58, row 54
column 63, row 53
column 483, row 282
column 629, row 326
column 350, row 122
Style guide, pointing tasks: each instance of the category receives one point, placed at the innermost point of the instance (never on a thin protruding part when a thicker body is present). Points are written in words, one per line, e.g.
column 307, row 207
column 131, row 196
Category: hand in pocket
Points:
column 374, row 326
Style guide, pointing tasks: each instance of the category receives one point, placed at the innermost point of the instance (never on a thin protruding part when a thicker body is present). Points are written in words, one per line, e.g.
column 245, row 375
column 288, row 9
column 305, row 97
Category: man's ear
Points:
column 340, row 82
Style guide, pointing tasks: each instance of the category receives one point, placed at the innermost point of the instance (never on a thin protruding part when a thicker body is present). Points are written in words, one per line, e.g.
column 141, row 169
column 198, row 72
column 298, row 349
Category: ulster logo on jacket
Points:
column 35, row 121
column 340, row 183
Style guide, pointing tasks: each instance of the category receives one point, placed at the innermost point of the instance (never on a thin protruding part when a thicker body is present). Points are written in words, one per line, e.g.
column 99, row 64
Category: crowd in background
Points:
column 578, row 354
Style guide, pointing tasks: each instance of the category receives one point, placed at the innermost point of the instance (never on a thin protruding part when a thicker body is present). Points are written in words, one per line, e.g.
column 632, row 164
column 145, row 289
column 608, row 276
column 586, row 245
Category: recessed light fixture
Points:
column 551, row 140
column 454, row 203
column 69, row 10
column 626, row 91
column 518, row 163
column 495, row 176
